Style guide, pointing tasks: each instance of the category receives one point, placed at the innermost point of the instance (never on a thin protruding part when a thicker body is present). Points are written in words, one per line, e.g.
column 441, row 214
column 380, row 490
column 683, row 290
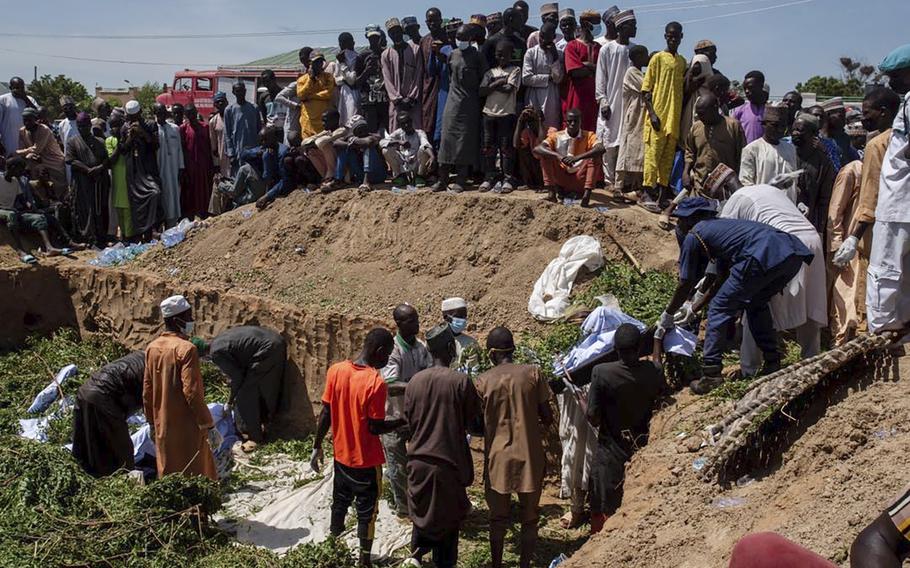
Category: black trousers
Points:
column 101, row 440
column 444, row 548
column 608, row 471
column 497, row 139
column 359, row 486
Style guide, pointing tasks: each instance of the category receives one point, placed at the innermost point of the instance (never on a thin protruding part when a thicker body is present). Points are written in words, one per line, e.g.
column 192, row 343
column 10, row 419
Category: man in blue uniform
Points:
column 753, row 261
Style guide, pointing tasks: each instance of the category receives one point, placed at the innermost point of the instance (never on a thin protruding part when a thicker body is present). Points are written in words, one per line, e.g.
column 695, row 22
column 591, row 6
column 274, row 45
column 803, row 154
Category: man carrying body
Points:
column 402, row 72
column 662, row 90
column 571, row 160
column 612, row 64
column 620, row 401
column 253, row 358
column 516, row 409
column 173, row 396
column 802, row 306
column 408, row 357
column 440, row 406
column 12, row 104
column 353, row 405
column 170, row 165
column 754, row 262
column 241, row 126
column 714, row 139
column 101, row 436
column 769, row 156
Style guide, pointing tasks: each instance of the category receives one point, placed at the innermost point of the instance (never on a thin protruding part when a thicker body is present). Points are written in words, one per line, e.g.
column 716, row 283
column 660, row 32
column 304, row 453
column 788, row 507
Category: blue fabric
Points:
column 732, row 242
column 269, row 164
column 358, row 163
column 897, row 59
column 748, row 288
column 691, row 205
column 442, row 69
column 679, row 163
column 241, row 128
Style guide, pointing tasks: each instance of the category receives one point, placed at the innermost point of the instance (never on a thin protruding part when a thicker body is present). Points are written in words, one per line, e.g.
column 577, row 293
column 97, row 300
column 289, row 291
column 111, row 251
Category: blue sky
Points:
column 789, row 40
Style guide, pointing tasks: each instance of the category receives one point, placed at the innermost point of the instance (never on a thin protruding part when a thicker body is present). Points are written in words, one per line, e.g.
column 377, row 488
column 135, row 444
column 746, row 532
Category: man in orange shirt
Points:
column 353, row 405
column 174, row 398
column 571, row 159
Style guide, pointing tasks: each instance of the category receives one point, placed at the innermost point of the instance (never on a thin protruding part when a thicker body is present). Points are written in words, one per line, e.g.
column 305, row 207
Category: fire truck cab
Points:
column 198, row 87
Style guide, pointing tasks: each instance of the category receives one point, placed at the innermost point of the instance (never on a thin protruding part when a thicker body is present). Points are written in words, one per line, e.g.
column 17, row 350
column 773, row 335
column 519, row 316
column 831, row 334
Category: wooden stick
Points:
column 628, row 254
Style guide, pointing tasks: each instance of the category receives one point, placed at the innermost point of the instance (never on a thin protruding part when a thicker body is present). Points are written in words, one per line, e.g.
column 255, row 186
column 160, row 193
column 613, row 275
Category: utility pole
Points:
column 35, row 77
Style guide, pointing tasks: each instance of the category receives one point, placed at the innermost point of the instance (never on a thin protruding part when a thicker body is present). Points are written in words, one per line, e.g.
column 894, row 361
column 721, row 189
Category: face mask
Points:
column 597, row 30
column 463, row 44
column 458, row 325
column 188, row 327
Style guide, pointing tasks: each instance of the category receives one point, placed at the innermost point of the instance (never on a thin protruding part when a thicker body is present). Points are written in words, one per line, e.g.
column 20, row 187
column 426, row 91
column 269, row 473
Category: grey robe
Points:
column 541, row 74
column 461, row 119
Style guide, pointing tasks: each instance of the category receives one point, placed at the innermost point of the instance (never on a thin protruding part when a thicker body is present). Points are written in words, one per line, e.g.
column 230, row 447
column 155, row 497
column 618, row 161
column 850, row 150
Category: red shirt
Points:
column 355, row 394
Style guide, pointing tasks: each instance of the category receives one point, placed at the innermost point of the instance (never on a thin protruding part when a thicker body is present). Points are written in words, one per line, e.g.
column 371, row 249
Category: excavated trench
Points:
column 124, row 305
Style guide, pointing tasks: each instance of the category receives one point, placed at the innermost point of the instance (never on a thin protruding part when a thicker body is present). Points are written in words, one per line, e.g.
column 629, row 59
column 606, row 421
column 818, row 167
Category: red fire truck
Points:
column 198, row 87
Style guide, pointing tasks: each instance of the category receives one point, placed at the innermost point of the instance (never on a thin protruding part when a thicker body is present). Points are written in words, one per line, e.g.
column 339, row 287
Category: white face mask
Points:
column 463, row 44
column 188, row 327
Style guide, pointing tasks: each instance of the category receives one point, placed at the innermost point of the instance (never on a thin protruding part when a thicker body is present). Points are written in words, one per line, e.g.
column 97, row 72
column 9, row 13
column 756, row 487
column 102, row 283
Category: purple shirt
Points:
column 750, row 117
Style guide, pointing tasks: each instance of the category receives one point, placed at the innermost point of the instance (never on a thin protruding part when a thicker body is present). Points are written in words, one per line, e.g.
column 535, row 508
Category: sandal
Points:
column 28, row 259
column 649, row 206
column 664, row 222
column 570, row 521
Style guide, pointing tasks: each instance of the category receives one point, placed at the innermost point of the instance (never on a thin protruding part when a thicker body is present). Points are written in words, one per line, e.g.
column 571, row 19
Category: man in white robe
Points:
column 170, row 165
column 542, row 72
column 612, row 64
column 11, row 106
column 770, row 155
column 346, row 79
column 802, row 306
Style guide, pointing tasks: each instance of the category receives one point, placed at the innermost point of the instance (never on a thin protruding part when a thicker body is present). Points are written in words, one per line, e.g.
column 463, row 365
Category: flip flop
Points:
column 649, row 206
column 664, row 222
column 28, row 259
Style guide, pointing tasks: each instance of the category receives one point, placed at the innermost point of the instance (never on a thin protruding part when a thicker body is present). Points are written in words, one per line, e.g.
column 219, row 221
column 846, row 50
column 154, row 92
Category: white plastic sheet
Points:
column 550, row 298
column 49, row 394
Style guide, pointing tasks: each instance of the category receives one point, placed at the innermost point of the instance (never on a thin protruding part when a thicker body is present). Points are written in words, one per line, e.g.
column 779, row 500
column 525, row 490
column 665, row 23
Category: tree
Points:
column 146, row 96
column 47, row 91
column 855, row 75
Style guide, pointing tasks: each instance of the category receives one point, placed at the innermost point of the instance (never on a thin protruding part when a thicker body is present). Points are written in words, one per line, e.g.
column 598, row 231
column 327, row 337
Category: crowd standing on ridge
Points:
column 788, row 219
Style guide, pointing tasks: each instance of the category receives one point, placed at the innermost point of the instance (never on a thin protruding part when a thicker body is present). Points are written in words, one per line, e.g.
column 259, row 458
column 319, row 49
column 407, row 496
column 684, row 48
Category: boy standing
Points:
column 500, row 87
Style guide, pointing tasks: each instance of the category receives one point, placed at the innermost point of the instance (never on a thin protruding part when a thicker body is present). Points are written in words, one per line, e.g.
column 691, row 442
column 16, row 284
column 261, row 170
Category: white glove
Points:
column 685, row 315
column 846, row 252
column 215, row 439
column 316, row 459
column 664, row 324
column 803, row 208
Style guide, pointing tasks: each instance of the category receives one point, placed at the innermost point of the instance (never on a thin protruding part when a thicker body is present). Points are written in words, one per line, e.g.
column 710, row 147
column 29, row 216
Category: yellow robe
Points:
column 174, row 400
column 664, row 80
column 315, row 98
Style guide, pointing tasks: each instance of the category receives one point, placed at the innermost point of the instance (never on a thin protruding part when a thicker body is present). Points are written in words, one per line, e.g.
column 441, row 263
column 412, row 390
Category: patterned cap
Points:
column 392, row 23
column 566, row 13
column 373, row 30
column 494, row 18
column 409, row 21
column 855, row 129
column 623, row 17
column 479, row 19
column 454, row 24
column 834, row 103
column 704, row 44
column 717, row 178
column 550, row 8
column 609, row 14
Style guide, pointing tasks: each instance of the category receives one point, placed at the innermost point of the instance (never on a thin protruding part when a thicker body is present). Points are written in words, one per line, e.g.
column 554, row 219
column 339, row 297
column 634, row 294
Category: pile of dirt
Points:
column 363, row 254
column 845, row 459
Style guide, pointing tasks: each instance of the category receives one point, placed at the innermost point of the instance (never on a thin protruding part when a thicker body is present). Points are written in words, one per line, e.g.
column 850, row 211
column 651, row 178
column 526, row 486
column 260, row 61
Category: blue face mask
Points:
column 597, row 30
column 458, row 325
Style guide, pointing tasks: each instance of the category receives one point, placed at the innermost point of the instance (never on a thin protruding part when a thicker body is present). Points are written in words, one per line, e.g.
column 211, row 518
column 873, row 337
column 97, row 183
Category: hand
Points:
column 606, row 112
column 437, row 45
column 846, row 252
column 664, row 324
column 685, row 315
column 569, row 161
column 803, row 208
column 316, row 459
column 590, row 66
column 655, row 123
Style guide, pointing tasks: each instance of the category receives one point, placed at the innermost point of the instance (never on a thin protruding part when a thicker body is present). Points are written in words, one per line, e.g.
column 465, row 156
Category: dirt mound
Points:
column 361, row 255
column 833, row 473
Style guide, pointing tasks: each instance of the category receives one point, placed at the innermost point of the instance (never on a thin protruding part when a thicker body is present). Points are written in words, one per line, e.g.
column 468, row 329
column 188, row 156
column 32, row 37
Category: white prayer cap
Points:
column 450, row 304
column 174, row 305
column 132, row 107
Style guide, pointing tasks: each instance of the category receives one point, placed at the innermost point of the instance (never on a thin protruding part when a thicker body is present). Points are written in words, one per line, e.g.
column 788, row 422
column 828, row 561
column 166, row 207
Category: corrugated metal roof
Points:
column 290, row 59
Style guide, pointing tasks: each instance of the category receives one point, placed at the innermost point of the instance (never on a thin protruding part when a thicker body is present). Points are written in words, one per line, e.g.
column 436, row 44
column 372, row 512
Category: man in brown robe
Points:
column 440, row 406
column 402, row 72
column 431, row 79
column 174, row 398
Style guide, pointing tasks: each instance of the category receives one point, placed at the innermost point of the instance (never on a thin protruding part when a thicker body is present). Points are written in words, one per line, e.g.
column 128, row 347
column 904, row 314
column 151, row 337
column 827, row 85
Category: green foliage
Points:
column 297, row 450
column 47, row 90
column 24, row 373
column 331, row 553
column 642, row 296
column 146, row 96
column 542, row 350
column 217, row 388
column 832, row 87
